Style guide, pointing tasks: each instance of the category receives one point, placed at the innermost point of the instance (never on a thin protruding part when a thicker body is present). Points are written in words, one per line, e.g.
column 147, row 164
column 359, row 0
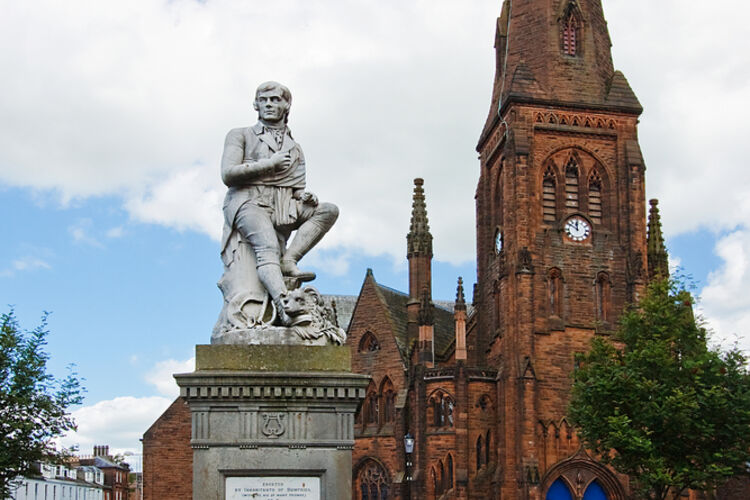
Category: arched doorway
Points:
column 581, row 478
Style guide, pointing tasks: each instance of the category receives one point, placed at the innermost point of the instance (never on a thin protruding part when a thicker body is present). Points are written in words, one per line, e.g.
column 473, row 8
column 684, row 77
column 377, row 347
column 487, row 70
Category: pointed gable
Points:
column 620, row 94
column 524, row 84
column 391, row 310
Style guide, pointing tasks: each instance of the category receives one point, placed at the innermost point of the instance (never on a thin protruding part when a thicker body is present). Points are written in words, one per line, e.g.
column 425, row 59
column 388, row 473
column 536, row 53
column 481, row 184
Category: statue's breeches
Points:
column 255, row 225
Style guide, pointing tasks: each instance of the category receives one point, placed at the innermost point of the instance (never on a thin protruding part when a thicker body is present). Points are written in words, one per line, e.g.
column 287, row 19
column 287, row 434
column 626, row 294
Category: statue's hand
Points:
column 281, row 160
column 309, row 198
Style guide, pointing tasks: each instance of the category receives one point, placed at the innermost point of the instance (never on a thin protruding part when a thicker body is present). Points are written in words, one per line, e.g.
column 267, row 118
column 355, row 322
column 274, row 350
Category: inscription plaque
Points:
column 273, row 488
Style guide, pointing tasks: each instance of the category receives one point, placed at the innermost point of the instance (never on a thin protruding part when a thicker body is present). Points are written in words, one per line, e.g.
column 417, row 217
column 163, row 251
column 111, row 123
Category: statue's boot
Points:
column 289, row 268
column 271, row 277
column 308, row 235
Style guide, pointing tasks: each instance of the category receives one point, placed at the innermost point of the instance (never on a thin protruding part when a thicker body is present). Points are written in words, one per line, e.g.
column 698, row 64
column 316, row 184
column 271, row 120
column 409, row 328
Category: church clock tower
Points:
column 561, row 232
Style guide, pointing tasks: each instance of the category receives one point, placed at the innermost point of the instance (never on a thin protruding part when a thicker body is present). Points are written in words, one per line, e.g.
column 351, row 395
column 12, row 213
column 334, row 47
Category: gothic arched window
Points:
column 555, row 292
column 549, row 198
column 479, row 452
column 498, row 202
column 435, row 488
column 372, row 481
column 371, row 409
column 595, row 198
column 449, row 476
column 571, row 33
column 369, row 343
column 442, row 410
column 388, row 401
column 571, row 185
column 497, row 289
column 441, row 477
column 603, row 297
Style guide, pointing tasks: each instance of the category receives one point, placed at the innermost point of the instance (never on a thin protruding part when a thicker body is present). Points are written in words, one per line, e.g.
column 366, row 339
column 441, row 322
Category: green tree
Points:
column 33, row 403
column 659, row 404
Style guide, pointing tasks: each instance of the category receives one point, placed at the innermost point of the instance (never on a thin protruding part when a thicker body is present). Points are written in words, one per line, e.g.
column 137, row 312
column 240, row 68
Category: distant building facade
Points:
column 58, row 482
column 116, row 475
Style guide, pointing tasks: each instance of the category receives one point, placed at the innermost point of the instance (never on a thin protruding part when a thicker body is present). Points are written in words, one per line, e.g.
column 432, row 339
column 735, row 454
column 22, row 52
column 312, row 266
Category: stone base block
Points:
column 273, row 358
column 254, row 429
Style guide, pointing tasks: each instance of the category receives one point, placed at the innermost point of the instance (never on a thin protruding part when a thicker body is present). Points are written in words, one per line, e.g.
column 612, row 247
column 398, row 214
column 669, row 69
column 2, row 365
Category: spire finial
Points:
column 460, row 304
column 419, row 239
column 658, row 261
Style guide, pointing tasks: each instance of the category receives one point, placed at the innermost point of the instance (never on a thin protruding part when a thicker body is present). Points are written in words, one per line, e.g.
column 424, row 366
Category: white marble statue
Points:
column 264, row 169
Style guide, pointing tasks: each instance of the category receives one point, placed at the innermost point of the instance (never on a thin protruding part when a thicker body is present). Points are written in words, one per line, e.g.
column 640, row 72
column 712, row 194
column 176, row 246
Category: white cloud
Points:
column 136, row 98
column 26, row 263
column 725, row 300
column 333, row 263
column 188, row 199
column 161, row 378
column 119, row 423
column 694, row 84
column 29, row 264
column 115, row 232
column 81, row 233
column 132, row 99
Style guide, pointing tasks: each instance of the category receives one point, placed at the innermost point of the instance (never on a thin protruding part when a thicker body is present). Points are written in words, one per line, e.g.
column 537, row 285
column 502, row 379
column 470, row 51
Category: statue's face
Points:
column 271, row 105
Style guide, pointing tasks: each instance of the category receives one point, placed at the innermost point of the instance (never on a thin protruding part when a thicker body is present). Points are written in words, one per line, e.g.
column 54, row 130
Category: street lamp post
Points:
column 409, row 449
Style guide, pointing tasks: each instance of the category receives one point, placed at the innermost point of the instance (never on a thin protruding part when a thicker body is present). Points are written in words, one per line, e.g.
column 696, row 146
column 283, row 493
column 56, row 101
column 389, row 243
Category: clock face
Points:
column 577, row 228
column 498, row 241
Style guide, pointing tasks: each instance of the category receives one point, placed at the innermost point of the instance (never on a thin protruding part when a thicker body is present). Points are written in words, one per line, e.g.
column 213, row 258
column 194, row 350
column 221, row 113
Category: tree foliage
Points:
column 659, row 404
column 33, row 403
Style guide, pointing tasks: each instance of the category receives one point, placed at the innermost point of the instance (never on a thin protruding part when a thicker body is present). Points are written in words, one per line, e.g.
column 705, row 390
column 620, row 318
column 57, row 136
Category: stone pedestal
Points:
column 272, row 421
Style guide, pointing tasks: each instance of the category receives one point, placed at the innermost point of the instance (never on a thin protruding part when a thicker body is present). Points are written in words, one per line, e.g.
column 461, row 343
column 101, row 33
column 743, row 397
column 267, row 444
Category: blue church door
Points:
column 559, row 491
column 595, row 492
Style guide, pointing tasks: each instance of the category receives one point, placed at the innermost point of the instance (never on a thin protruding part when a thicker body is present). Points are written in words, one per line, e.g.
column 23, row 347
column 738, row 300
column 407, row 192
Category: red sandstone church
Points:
column 480, row 391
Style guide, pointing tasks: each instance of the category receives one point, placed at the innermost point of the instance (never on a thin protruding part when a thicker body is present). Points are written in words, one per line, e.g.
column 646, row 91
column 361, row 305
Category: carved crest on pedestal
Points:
column 273, row 425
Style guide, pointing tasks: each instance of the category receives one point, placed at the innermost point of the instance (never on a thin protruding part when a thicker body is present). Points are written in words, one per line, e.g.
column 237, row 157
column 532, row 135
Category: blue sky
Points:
column 112, row 125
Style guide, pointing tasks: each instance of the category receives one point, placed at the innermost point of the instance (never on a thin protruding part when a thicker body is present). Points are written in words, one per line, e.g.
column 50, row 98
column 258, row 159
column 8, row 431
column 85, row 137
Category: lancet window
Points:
column 555, row 292
column 442, row 410
column 498, row 195
column 449, row 473
column 370, row 408
column 571, row 33
column 441, row 477
column 603, row 297
column 373, row 484
column 549, row 198
column 369, row 343
column 479, row 447
column 435, row 486
column 571, row 185
column 388, row 399
column 595, row 198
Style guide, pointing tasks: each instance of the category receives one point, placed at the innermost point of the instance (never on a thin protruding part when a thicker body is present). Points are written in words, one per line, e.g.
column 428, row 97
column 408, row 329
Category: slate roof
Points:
column 344, row 308
column 102, row 462
column 395, row 304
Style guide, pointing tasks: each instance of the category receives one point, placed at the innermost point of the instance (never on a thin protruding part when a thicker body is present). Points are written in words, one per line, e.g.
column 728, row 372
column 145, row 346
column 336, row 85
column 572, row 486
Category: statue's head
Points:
column 272, row 102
